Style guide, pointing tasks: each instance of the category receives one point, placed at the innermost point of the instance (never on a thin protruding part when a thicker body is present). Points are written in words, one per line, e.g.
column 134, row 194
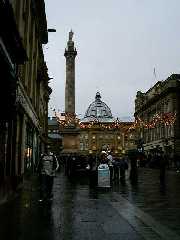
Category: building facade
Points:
column 25, row 114
column 97, row 131
column 100, row 131
column 156, row 109
column 54, row 137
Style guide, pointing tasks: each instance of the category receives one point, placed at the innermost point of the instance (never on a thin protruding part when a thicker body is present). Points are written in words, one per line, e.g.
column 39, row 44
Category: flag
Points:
column 154, row 71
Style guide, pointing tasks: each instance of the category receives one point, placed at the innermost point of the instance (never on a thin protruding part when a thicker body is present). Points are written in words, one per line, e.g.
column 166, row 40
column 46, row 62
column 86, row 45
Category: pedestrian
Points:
column 2, row 173
column 163, row 163
column 134, row 168
column 177, row 162
column 73, row 162
column 103, row 158
column 67, row 164
column 123, row 168
column 93, row 174
column 47, row 167
column 116, row 168
column 110, row 164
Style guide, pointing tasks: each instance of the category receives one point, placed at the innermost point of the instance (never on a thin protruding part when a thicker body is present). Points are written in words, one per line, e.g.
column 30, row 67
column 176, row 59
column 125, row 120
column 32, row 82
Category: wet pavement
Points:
column 129, row 212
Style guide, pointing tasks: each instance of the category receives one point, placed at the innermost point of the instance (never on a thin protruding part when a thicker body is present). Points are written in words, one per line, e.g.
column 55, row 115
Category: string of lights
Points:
column 166, row 119
column 69, row 119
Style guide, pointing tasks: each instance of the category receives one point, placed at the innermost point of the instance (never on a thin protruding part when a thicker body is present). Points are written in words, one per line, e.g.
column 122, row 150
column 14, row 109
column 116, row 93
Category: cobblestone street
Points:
column 142, row 211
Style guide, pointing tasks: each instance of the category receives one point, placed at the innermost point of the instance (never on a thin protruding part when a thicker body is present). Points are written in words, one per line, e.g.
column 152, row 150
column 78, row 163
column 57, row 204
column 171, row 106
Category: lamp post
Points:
column 51, row 30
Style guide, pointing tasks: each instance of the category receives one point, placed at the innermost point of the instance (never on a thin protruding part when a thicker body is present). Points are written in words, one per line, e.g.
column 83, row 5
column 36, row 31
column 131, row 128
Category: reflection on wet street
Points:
column 145, row 210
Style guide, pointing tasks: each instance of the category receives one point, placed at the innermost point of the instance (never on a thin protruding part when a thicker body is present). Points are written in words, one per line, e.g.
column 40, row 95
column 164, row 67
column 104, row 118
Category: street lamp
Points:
column 51, row 30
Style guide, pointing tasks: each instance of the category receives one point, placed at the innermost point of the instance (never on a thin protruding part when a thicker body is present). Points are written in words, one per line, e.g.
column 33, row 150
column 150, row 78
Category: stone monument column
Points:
column 70, row 54
column 70, row 133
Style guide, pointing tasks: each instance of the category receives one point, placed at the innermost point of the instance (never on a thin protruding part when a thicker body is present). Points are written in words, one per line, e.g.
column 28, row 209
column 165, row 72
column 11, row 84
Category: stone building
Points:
column 161, row 101
column 105, row 133
column 24, row 112
column 54, row 137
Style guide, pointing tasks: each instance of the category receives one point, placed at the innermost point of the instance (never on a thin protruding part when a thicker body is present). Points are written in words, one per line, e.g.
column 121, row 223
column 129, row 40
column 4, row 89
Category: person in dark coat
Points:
column 123, row 168
column 116, row 168
column 93, row 171
column 177, row 162
column 163, row 162
column 134, row 169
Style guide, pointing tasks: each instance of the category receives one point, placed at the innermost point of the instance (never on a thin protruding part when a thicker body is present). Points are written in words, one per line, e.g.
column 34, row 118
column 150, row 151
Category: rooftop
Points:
column 98, row 110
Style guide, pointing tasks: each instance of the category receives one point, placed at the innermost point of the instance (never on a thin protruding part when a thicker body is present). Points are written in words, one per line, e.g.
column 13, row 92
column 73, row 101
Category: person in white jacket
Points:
column 47, row 167
column 110, row 164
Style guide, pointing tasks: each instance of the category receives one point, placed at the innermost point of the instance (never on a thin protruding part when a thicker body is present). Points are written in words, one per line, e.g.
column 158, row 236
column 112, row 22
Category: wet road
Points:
column 128, row 212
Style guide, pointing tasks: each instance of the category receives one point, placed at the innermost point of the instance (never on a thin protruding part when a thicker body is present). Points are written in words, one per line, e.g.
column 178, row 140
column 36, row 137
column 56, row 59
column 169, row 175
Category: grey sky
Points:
column 119, row 42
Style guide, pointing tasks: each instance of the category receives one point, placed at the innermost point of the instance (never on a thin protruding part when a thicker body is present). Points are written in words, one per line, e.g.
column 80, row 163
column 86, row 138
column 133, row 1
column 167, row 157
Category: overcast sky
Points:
column 119, row 43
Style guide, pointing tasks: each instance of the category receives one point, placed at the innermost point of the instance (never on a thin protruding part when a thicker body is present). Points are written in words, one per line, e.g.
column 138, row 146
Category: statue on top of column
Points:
column 71, row 35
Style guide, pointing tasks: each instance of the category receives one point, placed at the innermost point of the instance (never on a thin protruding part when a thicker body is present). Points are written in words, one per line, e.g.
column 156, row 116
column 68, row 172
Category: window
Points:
column 86, row 146
column 81, row 146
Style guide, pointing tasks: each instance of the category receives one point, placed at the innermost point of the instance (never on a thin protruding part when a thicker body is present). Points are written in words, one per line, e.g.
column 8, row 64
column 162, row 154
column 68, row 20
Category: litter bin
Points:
column 103, row 176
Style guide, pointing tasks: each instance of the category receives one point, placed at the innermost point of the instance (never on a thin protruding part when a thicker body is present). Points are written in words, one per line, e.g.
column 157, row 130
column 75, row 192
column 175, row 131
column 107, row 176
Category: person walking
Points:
column 47, row 167
column 116, row 168
column 110, row 164
column 163, row 162
column 177, row 162
column 134, row 169
column 123, row 168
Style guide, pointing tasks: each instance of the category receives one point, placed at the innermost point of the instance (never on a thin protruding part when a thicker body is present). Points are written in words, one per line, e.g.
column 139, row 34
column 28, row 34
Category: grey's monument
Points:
column 70, row 54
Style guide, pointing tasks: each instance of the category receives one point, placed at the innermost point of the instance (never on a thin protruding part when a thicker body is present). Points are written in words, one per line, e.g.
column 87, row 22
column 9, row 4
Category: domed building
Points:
column 98, row 111
column 98, row 130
